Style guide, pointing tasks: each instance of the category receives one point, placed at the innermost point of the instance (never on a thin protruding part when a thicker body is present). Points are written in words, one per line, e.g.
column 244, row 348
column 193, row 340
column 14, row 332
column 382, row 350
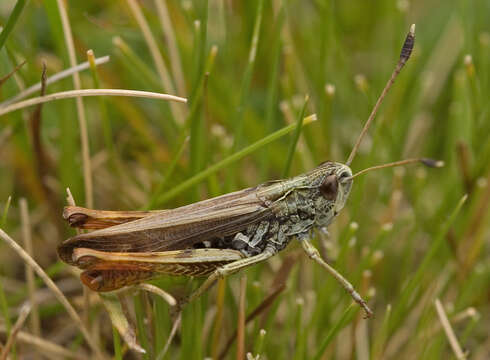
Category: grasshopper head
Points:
column 334, row 182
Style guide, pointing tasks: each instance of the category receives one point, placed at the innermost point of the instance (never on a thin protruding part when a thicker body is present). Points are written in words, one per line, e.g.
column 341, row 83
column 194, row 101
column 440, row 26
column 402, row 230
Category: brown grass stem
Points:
column 46, row 347
column 23, row 314
column 57, row 292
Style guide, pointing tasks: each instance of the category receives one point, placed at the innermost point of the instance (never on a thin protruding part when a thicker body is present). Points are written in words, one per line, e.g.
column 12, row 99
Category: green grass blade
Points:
column 14, row 16
column 429, row 256
column 294, row 140
column 247, row 77
column 140, row 324
column 230, row 160
column 167, row 176
column 117, row 344
column 334, row 330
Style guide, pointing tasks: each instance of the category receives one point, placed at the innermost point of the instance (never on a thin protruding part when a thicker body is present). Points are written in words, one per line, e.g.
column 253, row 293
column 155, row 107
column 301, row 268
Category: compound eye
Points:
column 330, row 187
column 344, row 175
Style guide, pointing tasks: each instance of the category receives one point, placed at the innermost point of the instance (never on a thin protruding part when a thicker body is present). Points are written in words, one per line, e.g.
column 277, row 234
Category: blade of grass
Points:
column 12, row 20
column 300, row 341
column 380, row 339
column 140, row 323
column 9, row 75
column 346, row 317
column 218, row 319
column 166, row 176
column 177, row 112
column 259, row 349
column 168, row 33
column 260, row 309
column 116, row 308
column 175, row 327
column 247, row 78
column 196, row 121
column 184, row 132
column 117, row 344
column 106, row 123
column 436, row 245
column 5, row 212
column 136, row 64
column 294, row 140
column 272, row 92
column 240, row 337
column 230, row 160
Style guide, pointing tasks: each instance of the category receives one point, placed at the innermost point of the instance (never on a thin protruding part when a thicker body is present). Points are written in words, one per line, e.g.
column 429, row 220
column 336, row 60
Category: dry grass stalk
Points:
column 87, row 172
column 173, row 51
column 52, row 79
column 46, row 347
column 31, row 285
column 175, row 326
column 89, row 92
column 453, row 341
column 3, row 79
column 24, row 313
column 157, row 291
column 59, row 295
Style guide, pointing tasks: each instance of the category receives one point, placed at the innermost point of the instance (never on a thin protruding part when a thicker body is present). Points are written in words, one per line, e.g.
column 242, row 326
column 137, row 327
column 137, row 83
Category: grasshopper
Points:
column 219, row 236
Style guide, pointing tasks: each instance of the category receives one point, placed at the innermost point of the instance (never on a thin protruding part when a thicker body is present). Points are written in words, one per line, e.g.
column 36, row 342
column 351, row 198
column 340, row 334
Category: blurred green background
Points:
column 246, row 68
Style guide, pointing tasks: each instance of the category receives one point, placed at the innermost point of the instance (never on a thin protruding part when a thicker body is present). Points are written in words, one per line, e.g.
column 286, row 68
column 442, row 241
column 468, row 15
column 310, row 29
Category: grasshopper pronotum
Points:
column 222, row 235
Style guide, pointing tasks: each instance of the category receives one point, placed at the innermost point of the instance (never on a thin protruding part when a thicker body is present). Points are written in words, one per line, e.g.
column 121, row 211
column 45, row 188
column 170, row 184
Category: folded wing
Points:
column 175, row 229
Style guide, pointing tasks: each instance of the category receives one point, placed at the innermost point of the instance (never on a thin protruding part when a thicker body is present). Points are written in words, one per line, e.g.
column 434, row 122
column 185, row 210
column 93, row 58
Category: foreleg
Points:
column 313, row 253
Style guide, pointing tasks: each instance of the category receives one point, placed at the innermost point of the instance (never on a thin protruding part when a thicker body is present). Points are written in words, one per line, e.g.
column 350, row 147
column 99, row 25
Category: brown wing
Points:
column 175, row 229
column 84, row 218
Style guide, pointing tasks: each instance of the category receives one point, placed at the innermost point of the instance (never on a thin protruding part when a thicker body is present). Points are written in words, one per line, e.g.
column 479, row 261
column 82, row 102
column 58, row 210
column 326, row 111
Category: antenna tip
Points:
column 432, row 163
column 412, row 29
column 407, row 46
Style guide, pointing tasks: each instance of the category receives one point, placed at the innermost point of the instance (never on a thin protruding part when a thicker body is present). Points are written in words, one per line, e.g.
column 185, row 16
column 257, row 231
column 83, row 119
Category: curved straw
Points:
column 89, row 92
column 52, row 79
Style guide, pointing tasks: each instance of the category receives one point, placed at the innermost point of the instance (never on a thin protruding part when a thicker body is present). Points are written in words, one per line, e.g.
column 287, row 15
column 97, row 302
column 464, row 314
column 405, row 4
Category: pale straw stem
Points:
column 453, row 341
column 89, row 92
column 87, row 172
column 52, row 79
column 173, row 50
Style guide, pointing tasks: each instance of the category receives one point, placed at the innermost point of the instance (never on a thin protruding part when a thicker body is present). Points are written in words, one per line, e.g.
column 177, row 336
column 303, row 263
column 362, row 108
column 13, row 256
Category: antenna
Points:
column 427, row 162
column 404, row 56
